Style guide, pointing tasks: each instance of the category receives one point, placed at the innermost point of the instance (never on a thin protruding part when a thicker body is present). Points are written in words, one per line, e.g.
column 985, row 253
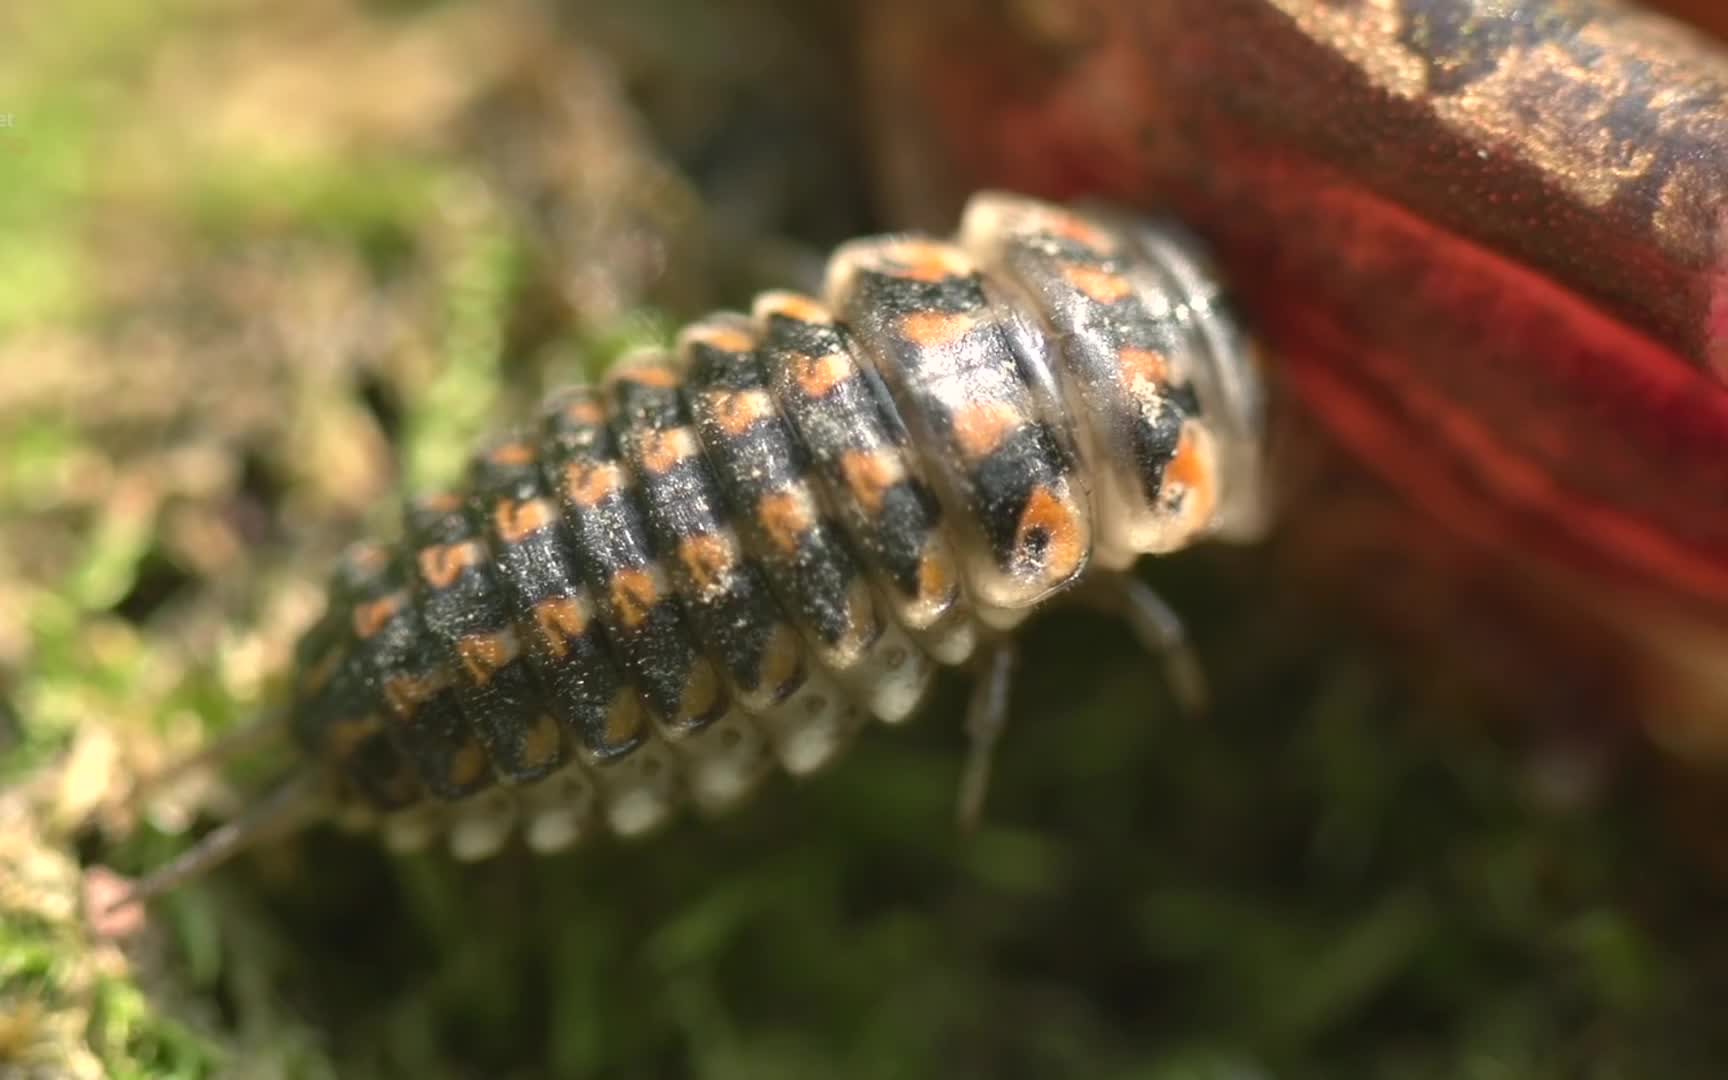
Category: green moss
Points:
column 374, row 205
column 457, row 406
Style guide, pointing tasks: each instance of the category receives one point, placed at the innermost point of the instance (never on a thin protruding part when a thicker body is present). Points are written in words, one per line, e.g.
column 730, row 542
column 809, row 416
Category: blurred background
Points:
column 264, row 267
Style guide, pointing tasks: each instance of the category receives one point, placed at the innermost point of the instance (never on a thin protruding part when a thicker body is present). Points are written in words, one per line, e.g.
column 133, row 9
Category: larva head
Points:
column 1226, row 370
column 1156, row 377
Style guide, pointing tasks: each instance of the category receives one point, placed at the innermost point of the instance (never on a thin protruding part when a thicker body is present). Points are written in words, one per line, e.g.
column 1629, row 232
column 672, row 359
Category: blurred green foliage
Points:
column 1339, row 872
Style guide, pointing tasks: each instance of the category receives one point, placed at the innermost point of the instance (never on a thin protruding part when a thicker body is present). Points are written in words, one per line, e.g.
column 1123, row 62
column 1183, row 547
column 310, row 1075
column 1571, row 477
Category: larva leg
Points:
column 480, row 824
column 413, row 829
column 560, row 810
column 986, row 718
column 639, row 792
column 1158, row 629
column 289, row 806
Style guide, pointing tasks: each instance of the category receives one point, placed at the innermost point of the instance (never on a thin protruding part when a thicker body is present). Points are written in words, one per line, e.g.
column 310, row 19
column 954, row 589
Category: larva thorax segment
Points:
column 583, row 684
column 469, row 623
column 764, row 472
column 737, row 547
column 1159, row 382
column 861, row 458
column 613, row 550
column 378, row 700
column 742, row 626
column 948, row 357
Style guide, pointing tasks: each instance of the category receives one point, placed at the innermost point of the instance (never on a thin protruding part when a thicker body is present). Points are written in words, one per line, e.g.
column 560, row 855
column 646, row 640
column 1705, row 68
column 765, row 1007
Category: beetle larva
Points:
column 735, row 550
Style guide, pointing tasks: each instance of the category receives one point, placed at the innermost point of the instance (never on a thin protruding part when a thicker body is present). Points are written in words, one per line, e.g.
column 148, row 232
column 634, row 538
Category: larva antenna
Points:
column 295, row 798
column 986, row 718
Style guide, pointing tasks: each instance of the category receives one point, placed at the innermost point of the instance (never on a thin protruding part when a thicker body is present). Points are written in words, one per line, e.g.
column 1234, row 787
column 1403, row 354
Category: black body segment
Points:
column 1125, row 364
column 467, row 616
column 839, row 413
column 722, row 589
column 952, row 362
column 766, row 478
column 633, row 594
column 332, row 718
column 337, row 714
column 582, row 683
column 415, row 686
column 762, row 472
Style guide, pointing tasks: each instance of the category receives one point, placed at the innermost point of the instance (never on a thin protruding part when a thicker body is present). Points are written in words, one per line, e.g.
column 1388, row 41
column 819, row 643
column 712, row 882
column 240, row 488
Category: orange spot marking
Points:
column 442, row 564
column 721, row 337
column 442, row 502
column 516, row 521
column 703, row 693
column 623, row 719
column 736, row 410
column 344, row 736
column 927, row 261
column 1072, row 228
column 318, row 675
column 1144, row 366
column 468, row 766
column 862, row 628
column 1064, row 545
column 366, row 557
column 794, row 306
column 708, row 558
column 933, row 329
column 588, row 483
column 935, row 578
column 1100, row 285
column 661, row 450
column 405, row 693
column 512, row 453
column 634, row 594
column 584, row 410
column 483, row 654
column 543, row 744
column 369, row 618
column 869, row 474
column 560, row 620
column 782, row 662
column 656, row 375
column 816, row 375
column 784, row 516
column 980, row 426
column 1191, row 470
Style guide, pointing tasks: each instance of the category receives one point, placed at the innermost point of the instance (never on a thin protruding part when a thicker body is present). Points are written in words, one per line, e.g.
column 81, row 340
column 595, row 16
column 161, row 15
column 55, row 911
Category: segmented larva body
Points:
column 735, row 551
